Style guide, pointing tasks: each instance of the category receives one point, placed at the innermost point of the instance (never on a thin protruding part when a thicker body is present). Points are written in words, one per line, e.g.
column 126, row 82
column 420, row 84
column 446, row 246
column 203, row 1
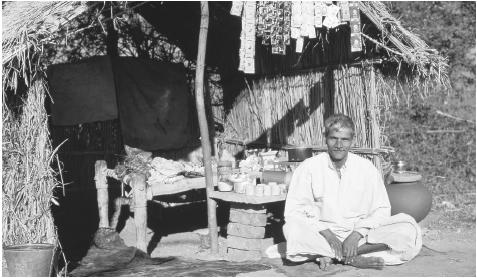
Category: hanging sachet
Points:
column 331, row 19
column 355, row 25
column 249, row 20
column 345, row 15
column 319, row 13
column 296, row 19
column 237, row 7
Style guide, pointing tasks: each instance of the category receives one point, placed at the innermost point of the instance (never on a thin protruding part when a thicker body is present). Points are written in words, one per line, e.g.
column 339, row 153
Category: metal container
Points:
column 30, row 260
column 298, row 154
column 224, row 170
column 399, row 166
column 276, row 176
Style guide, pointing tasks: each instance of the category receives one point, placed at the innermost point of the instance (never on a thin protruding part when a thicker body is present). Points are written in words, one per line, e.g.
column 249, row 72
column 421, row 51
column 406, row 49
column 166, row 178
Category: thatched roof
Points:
column 406, row 46
column 27, row 26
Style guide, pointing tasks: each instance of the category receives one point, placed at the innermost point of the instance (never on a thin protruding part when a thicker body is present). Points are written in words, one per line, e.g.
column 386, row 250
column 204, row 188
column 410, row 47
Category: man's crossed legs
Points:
column 396, row 241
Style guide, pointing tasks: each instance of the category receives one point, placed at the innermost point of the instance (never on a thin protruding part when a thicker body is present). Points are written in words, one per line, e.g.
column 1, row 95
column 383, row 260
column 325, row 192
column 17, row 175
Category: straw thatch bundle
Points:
column 404, row 46
column 27, row 27
column 27, row 179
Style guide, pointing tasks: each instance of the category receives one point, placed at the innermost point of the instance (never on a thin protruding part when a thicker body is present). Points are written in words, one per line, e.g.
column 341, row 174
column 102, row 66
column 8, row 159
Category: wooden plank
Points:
column 246, row 231
column 248, row 208
column 251, row 219
column 159, row 189
column 242, row 198
column 244, row 243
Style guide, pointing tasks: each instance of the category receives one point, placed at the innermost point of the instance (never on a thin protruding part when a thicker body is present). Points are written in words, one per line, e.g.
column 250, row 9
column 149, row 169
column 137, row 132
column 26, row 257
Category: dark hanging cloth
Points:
column 82, row 92
column 153, row 99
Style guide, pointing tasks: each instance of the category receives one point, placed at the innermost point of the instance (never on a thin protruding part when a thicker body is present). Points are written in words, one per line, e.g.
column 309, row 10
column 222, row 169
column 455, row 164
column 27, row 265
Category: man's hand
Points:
column 350, row 246
column 334, row 242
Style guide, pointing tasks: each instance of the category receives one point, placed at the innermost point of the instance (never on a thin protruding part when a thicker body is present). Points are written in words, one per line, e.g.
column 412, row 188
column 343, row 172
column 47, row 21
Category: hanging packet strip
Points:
column 296, row 19
column 249, row 19
column 319, row 12
column 308, row 20
column 286, row 22
column 299, row 45
column 261, row 14
column 354, row 11
column 237, row 7
column 278, row 34
column 356, row 43
column 355, row 25
column 345, row 14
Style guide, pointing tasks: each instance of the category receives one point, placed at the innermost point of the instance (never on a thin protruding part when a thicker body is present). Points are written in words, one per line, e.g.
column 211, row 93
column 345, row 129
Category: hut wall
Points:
column 291, row 109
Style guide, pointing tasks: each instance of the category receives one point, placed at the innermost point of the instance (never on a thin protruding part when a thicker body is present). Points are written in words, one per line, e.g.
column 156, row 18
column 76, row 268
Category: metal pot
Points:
column 298, row 154
column 29, row 260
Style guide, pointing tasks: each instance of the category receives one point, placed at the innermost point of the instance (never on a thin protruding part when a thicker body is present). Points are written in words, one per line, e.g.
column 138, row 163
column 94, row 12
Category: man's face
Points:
column 339, row 142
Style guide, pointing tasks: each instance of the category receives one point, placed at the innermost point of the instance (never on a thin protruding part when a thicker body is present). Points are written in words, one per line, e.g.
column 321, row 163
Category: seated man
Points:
column 337, row 209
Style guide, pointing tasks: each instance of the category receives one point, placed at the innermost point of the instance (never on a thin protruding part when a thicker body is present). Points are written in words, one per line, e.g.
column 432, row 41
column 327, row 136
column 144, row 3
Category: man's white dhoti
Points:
column 400, row 233
column 354, row 200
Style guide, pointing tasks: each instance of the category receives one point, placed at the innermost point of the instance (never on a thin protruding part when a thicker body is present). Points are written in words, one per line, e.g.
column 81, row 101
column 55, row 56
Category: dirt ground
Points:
column 447, row 251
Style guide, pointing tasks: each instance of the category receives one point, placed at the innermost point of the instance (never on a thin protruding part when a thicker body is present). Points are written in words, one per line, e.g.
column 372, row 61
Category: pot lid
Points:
column 406, row 176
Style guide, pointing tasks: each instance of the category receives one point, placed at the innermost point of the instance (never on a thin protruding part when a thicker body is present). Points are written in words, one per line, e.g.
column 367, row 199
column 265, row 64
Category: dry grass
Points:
column 27, row 179
column 294, row 106
column 446, row 159
column 406, row 47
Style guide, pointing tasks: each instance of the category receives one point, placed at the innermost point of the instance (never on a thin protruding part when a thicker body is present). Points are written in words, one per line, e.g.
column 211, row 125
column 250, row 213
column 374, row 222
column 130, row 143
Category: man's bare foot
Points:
column 324, row 262
column 367, row 262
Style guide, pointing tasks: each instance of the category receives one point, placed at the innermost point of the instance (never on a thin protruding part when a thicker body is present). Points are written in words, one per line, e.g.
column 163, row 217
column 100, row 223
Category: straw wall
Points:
column 291, row 109
column 27, row 179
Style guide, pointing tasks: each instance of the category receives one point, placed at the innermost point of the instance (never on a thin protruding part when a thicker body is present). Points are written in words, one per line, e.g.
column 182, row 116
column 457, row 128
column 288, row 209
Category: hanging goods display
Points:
column 247, row 36
column 355, row 25
column 345, row 15
column 274, row 23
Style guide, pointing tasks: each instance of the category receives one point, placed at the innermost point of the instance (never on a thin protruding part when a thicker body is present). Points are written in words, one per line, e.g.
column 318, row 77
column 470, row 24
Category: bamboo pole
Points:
column 204, row 128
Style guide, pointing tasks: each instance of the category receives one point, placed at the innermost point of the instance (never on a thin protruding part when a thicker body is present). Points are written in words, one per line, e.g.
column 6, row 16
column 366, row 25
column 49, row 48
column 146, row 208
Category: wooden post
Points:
column 204, row 129
column 138, row 185
column 372, row 105
column 102, row 192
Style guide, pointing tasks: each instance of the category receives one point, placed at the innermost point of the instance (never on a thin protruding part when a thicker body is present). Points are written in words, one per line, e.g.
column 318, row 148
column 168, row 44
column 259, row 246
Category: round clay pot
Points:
column 411, row 198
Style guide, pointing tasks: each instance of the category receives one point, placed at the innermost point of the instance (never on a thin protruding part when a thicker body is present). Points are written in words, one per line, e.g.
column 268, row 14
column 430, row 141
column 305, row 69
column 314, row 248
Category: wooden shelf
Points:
column 159, row 189
column 242, row 198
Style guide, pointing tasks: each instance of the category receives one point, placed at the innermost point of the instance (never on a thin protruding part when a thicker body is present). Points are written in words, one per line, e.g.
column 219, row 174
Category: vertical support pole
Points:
column 204, row 131
column 138, row 185
column 372, row 106
column 101, row 182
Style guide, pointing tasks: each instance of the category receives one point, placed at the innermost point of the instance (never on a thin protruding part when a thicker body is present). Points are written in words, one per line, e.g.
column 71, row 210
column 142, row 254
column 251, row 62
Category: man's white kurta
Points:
column 356, row 201
column 319, row 199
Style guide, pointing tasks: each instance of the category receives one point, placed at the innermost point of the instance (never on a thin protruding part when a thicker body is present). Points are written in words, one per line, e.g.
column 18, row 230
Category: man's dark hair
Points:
column 336, row 121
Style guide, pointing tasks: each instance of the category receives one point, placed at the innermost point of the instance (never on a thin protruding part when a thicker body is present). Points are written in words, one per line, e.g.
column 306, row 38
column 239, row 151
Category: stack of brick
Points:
column 246, row 232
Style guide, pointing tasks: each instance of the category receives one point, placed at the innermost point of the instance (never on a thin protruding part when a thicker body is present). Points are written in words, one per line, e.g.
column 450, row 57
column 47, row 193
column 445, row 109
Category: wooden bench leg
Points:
column 138, row 184
column 101, row 182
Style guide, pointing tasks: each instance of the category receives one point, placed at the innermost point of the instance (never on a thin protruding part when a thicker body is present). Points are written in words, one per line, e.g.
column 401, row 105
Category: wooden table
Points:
column 142, row 192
